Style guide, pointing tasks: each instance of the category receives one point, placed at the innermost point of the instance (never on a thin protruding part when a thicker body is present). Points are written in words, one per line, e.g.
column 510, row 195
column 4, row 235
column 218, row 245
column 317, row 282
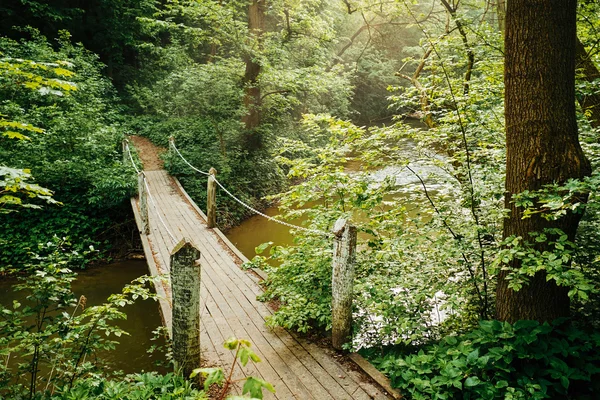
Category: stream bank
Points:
column 96, row 284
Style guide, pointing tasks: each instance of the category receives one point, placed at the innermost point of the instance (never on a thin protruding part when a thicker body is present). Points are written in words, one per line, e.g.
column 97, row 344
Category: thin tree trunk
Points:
column 541, row 138
column 590, row 102
column 469, row 50
column 501, row 14
column 252, row 97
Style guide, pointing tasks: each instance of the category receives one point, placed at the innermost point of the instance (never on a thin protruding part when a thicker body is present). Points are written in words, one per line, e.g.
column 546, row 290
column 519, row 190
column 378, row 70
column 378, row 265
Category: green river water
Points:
column 142, row 317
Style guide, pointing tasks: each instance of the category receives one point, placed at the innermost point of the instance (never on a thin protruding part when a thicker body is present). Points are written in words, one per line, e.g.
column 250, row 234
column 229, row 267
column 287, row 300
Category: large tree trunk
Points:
column 541, row 137
column 590, row 103
column 252, row 96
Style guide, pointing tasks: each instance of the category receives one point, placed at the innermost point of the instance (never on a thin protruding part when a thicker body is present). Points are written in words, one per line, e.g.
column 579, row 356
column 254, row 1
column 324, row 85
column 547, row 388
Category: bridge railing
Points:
column 344, row 236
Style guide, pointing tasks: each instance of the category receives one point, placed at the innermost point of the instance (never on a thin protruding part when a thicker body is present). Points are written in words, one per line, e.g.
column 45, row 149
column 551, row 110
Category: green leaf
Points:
column 451, row 340
column 15, row 135
column 212, row 376
column 262, row 247
column 472, row 381
column 254, row 387
column 231, row 343
column 473, row 356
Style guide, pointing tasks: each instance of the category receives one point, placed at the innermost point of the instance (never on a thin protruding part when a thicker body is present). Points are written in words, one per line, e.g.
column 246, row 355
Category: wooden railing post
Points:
column 143, row 203
column 211, row 199
column 185, row 289
column 125, row 155
column 342, row 282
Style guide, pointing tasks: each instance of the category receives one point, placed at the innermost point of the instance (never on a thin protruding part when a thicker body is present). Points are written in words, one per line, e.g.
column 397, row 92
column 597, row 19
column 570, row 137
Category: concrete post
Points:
column 342, row 282
column 185, row 288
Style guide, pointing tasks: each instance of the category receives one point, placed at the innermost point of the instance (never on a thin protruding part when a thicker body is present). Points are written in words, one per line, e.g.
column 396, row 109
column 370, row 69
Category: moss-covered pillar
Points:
column 185, row 288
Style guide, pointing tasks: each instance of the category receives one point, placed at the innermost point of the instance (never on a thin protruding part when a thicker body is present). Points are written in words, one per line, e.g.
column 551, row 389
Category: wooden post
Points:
column 143, row 203
column 342, row 282
column 125, row 155
column 185, row 289
column 211, row 199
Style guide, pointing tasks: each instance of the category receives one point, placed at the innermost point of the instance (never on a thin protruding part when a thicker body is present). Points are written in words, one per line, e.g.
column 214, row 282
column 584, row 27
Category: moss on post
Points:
column 143, row 203
column 185, row 287
column 211, row 199
column 342, row 282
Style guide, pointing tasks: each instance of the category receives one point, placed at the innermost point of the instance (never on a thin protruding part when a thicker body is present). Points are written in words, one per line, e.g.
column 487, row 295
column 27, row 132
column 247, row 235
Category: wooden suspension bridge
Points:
column 295, row 366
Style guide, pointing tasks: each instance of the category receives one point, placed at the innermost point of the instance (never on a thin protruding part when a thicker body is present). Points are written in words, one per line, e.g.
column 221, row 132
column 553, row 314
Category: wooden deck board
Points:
column 260, row 331
column 297, row 368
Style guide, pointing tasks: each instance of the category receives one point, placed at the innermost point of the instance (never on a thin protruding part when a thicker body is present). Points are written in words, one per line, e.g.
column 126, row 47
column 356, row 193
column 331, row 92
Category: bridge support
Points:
column 143, row 202
column 342, row 282
column 185, row 287
column 211, row 199
column 125, row 155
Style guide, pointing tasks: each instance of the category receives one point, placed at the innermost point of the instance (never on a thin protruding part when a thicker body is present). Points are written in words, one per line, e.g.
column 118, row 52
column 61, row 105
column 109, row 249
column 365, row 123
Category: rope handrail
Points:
column 147, row 186
column 131, row 156
column 172, row 144
column 255, row 211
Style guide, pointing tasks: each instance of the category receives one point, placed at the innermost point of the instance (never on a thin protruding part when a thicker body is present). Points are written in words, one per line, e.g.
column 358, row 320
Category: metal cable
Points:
column 172, row 143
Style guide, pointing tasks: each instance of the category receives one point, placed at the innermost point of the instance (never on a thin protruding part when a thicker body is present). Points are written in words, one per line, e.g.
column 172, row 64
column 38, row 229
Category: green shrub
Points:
column 527, row 360
column 74, row 151
column 143, row 386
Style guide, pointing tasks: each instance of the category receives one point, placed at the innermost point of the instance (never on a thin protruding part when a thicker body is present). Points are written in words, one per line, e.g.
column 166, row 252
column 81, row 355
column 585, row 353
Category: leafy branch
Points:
column 253, row 386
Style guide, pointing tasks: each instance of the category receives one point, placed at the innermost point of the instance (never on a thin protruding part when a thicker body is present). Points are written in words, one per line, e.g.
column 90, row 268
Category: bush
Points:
column 527, row 360
column 75, row 150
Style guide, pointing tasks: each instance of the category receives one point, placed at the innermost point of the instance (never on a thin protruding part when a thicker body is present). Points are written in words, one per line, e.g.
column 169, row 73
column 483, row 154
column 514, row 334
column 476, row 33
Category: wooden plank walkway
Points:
column 297, row 368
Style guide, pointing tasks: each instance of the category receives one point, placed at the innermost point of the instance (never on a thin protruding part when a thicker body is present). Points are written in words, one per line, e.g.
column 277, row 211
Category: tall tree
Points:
column 542, row 141
column 252, row 95
column 590, row 102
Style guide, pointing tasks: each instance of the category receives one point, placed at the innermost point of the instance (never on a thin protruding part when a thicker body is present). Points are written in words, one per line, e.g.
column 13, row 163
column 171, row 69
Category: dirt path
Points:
column 149, row 153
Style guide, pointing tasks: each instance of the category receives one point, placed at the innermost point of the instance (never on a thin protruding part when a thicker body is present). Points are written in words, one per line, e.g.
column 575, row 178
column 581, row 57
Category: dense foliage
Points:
column 50, row 340
column 428, row 204
column 527, row 360
column 73, row 151
column 389, row 114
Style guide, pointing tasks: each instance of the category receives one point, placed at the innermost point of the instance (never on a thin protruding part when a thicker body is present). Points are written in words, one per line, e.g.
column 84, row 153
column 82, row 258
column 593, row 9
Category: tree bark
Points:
column 590, row 103
column 542, row 141
column 252, row 97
